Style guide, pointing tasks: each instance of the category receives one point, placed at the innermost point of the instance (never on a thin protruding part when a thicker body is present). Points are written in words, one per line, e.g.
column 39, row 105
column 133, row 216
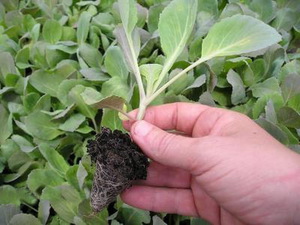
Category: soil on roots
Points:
column 119, row 162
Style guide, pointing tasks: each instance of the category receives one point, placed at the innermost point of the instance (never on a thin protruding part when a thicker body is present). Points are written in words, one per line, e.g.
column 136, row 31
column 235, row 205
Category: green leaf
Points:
column 260, row 104
column 92, row 97
column 116, row 86
column 134, row 216
column 23, row 143
column 111, row 120
column 40, row 178
column 6, row 124
column 52, row 31
column 83, row 27
column 289, row 117
column 64, row 89
column 158, row 221
column 9, row 195
column 75, row 94
column 268, row 87
column 7, row 65
column 238, row 91
column 91, row 56
column 21, row 219
column 7, row 212
column 64, row 200
column 94, row 74
column 114, row 62
column 71, row 124
column 44, row 211
column 128, row 13
column 266, row 9
column 48, row 82
column 81, row 175
column 41, row 126
column 151, row 73
column 175, row 26
column 237, row 35
column 290, row 86
column 55, row 160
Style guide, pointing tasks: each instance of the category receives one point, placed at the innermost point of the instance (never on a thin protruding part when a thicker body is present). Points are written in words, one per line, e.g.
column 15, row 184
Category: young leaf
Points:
column 41, row 126
column 128, row 13
column 114, row 62
column 238, row 90
column 151, row 73
column 83, row 27
column 175, row 26
column 72, row 123
column 237, row 35
column 55, row 160
column 52, row 31
column 22, row 218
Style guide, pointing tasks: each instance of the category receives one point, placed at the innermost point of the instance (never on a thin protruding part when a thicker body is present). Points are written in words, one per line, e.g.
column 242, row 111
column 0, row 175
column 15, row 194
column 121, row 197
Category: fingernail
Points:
column 142, row 128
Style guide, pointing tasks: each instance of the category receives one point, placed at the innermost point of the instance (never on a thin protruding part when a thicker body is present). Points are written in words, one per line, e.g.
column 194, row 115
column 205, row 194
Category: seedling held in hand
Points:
column 236, row 35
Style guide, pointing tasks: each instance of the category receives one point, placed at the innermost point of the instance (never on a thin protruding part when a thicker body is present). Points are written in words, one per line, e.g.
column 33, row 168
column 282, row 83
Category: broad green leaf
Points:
column 198, row 82
column 23, row 143
column 92, row 97
column 52, row 31
column 91, row 56
column 114, row 63
column 6, row 124
column 151, row 73
column 40, row 178
column 81, row 175
column 158, row 221
column 44, row 211
column 175, row 26
column 238, row 90
column 65, row 87
column 85, row 109
column 134, row 216
column 153, row 17
column 209, row 6
column 116, row 86
column 292, row 67
column 7, row 212
column 128, row 13
column 21, row 219
column 64, row 200
column 111, row 120
column 270, row 112
column 55, row 160
column 290, row 86
column 41, row 126
column 48, row 82
column 83, row 27
column 266, row 9
column 22, row 171
column 289, row 117
column 237, row 35
column 268, row 87
column 7, row 65
column 260, row 104
column 94, row 74
column 9, row 195
column 71, row 124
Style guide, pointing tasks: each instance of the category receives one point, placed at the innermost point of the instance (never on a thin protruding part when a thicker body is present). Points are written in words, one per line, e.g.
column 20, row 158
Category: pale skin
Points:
column 225, row 169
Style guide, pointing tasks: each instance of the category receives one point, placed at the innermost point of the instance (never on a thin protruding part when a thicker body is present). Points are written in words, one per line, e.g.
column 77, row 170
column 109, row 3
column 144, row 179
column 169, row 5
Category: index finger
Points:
column 181, row 117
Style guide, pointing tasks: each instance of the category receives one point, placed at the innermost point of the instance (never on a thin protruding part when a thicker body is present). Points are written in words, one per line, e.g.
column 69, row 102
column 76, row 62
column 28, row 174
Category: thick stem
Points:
column 142, row 110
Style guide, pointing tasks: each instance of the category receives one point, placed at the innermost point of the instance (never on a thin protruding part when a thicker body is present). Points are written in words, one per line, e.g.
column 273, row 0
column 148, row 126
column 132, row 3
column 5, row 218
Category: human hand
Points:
column 226, row 169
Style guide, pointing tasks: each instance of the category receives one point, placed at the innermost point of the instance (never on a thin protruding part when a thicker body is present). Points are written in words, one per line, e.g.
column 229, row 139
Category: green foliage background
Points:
column 51, row 51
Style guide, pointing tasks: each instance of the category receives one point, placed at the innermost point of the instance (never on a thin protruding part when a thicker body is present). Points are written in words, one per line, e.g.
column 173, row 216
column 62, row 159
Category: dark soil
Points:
column 119, row 162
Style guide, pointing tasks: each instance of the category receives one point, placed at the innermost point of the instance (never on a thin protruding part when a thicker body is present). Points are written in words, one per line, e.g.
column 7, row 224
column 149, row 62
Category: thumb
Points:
column 163, row 147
